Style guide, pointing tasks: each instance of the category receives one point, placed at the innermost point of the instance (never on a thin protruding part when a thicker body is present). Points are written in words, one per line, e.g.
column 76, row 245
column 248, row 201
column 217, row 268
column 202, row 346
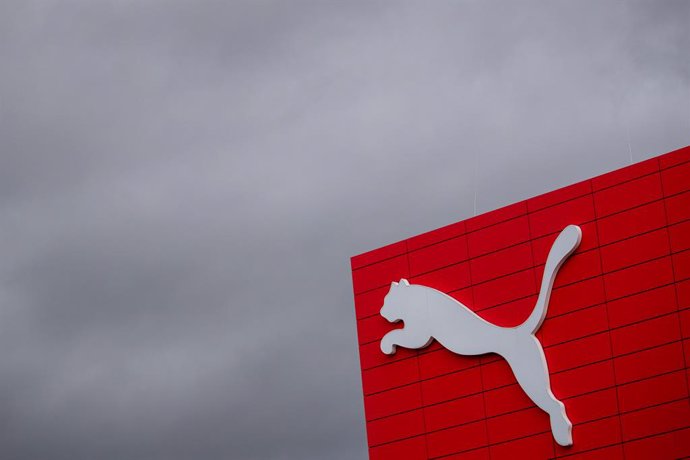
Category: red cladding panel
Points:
column 639, row 278
column 676, row 179
column 655, row 420
column 438, row 255
column 370, row 302
column 616, row 337
column 626, row 174
column 436, row 236
column 593, row 435
column 679, row 235
column 457, row 439
column 642, row 306
column 378, row 255
column 380, row 274
column 555, row 218
column 653, row 391
column 390, row 376
column 678, row 208
column 635, row 250
column 644, row 335
column 577, row 353
column 559, row 196
column 502, row 290
column 453, row 413
column 517, row 425
column 395, row 427
column 648, row 363
column 452, row 386
column 496, row 216
column 633, row 222
column 446, row 279
column 592, row 406
column 674, row 158
column 628, row 195
column 391, row 402
column 444, row 362
column 407, row 449
column 498, row 236
column 538, row 446
column 501, row 263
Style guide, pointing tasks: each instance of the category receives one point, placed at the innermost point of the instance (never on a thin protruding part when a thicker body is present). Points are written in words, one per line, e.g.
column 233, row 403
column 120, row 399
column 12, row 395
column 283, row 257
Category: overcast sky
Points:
column 182, row 184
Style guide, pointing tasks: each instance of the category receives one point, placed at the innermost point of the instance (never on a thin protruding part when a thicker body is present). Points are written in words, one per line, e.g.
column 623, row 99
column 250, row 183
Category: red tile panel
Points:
column 681, row 265
column 635, row 250
column 656, row 419
column 538, row 446
column 556, row 218
column 498, row 215
column 499, row 236
column 390, row 376
column 683, row 292
column 377, row 255
column 370, row 302
column 380, row 274
column 446, row 279
column 649, row 275
column 648, row 363
column 384, row 404
column 559, row 196
column 501, row 263
column 676, row 179
column 517, row 425
column 672, row 446
column 674, row 158
column 593, row 435
column 577, row 353
column 628, row 195
column 642, row 306
column 505, row 289
column 395, row 427
column 678, row 208
column 457, row 439
column 679, row 235
column 647, row 334
column 625, row 174
column 407, row 449
column 452, row 386
column 653, row 391
column 631, row 223
column 438, row 255
column 370, row 355
column 577, row 296
column 436, row 236
column 453, row 413
column 592, row 406
column 574, row 325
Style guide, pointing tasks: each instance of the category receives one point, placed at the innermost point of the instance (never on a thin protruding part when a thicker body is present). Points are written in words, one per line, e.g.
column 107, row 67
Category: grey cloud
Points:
column 183, row 183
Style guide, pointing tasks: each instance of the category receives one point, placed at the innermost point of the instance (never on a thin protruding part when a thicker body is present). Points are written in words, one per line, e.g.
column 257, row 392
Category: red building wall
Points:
column 616, row 337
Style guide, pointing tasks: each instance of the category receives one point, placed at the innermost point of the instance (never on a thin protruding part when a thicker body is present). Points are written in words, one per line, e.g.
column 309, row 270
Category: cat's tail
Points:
column 565, row 244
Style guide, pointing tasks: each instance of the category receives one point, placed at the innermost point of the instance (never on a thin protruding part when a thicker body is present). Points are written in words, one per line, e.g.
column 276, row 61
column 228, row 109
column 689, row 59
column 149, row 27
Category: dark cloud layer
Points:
column 182, row 184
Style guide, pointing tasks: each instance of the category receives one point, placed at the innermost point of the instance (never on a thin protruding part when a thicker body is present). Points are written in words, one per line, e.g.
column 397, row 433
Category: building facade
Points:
column 616, row 336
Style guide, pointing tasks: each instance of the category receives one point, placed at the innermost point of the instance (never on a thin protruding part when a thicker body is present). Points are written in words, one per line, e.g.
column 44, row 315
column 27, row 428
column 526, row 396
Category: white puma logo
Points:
column 429, row 314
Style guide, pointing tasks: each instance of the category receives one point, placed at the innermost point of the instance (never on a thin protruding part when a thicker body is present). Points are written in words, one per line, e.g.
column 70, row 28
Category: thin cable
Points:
column 627, row 132
column 476, row 181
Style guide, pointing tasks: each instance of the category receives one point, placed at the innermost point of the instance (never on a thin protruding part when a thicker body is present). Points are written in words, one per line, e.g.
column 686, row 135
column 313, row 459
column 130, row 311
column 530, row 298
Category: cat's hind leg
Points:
column 529, row 366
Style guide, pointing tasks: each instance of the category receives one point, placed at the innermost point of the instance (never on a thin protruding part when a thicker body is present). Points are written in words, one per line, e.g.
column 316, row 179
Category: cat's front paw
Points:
column 387, row 346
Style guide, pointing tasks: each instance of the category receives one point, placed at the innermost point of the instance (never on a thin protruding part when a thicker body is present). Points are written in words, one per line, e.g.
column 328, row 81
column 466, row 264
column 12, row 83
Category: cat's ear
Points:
column 404, row 282
column 394, row 284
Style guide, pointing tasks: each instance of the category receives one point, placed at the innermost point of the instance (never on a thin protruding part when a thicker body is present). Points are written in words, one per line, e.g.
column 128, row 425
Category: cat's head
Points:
column 396, row 301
